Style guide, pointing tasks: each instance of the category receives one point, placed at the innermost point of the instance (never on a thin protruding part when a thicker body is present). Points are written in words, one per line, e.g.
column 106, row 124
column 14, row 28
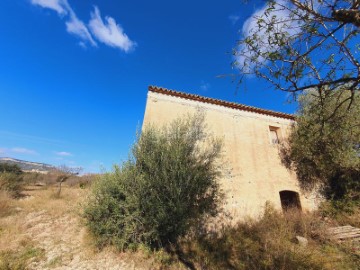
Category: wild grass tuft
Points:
column 269, row 243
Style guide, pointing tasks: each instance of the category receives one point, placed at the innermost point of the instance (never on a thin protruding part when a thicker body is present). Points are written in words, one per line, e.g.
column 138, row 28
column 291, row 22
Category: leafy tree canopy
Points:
column 297, row 45
column 324, row 145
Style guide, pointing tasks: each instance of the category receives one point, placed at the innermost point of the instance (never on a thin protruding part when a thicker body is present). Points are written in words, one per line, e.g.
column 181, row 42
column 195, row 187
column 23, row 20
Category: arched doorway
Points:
column 290, row 200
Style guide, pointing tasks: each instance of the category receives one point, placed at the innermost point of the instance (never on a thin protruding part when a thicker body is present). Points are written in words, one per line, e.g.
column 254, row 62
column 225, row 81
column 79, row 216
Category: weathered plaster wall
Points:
column 257, row 174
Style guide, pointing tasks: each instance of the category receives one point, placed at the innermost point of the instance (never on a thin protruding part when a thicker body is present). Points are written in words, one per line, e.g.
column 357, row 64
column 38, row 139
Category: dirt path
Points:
column 53, row 227
column 62, row 240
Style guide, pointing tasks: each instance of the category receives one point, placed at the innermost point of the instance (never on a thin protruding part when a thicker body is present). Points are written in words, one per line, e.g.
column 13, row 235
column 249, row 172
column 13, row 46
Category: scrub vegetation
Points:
column 166, row 188
column 324, row 145
column 155, row 211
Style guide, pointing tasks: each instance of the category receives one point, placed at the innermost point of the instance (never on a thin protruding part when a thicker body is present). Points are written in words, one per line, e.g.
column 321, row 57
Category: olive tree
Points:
column 324, row 145
column 296, row 45
column 167, row 186
column 11, row 179
column 63, row 173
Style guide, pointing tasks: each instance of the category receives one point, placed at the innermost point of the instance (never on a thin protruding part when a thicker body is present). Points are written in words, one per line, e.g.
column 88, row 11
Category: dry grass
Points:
column 5, row 206
column 341, row 213
column 40, row 231
column 42, row 222
column 270, row 243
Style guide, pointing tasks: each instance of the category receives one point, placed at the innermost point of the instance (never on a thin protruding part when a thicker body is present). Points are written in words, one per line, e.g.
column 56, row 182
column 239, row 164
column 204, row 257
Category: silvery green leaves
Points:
column 296, row 45
column 168, row 186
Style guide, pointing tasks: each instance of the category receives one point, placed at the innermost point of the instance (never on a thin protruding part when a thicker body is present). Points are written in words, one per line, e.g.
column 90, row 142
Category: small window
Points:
column 274, row 136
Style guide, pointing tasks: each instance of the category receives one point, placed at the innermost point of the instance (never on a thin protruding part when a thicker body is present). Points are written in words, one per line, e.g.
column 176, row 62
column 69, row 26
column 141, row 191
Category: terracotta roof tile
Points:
column 219, row 102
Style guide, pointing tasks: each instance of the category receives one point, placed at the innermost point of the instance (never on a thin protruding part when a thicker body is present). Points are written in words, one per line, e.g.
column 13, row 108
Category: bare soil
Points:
column 42, row 231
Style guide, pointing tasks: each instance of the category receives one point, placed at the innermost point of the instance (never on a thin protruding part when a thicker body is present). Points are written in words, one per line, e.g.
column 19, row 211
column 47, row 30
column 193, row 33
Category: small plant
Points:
column 19, row 260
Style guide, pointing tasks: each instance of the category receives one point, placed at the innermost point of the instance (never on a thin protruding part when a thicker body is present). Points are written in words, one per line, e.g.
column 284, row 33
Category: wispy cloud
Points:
column 29, row 138
column 110, row 33
column 204, row 86
column 57, row 5
column 234, row 18
column 63, row 154
column 73, row 24
column 282, row 23
column 21, row 150
column 78, row 28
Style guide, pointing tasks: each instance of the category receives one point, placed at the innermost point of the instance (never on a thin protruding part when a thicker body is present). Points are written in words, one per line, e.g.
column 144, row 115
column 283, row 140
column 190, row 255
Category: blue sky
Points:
column 74, row 74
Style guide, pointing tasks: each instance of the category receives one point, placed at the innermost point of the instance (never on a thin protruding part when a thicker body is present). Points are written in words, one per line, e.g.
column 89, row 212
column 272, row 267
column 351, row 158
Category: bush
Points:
column 11, row 179
column 11, row 183
column 166, row 187
column 10, row 168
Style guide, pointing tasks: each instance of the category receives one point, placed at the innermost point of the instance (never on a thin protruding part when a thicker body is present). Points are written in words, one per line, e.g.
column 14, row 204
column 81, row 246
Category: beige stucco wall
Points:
column 256, row 173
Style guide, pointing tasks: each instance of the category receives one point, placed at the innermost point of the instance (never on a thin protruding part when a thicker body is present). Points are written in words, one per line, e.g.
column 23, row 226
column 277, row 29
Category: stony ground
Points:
column 45, row 232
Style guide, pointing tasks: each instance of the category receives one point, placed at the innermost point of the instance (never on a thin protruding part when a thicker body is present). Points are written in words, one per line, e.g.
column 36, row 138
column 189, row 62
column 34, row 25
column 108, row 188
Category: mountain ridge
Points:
column 28, row 165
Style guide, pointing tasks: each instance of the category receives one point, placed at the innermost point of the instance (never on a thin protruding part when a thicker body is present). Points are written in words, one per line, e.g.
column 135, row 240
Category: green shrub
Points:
column 10, row 168
column 166, row 187
column 11, row 183
column 11, row 179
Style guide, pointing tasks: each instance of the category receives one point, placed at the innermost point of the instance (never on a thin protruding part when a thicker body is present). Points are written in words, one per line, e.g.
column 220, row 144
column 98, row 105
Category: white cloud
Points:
column 234, row 19
column 21, row 150
column 2, row 151
column 57, row 5
column 73, row 24
column 77, row 27
column 109, row 32
column 283, row 24
column 63, row 154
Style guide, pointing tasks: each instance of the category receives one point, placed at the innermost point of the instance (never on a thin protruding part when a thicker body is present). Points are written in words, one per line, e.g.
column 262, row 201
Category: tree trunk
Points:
column 59, row 191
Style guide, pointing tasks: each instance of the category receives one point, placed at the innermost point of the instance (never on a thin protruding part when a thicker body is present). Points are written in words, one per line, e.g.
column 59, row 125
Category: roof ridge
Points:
column 219, row 102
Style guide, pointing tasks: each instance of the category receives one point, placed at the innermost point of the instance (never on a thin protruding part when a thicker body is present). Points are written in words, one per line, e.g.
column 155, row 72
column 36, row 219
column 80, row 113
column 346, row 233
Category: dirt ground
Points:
column 41, row 231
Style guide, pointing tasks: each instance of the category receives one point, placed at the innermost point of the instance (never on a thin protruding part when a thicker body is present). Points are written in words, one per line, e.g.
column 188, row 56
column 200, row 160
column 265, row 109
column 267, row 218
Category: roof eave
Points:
column 219, row 102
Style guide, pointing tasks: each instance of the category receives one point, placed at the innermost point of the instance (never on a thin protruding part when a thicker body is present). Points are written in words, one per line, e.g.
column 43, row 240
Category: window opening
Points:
column 274, row 136
column 289, row 200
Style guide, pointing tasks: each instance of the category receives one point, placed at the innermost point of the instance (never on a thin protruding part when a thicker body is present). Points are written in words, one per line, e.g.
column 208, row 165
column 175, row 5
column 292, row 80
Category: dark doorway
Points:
column 290, row 200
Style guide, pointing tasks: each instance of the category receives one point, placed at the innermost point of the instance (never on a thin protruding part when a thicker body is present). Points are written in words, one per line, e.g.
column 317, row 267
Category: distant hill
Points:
column 28, row 166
